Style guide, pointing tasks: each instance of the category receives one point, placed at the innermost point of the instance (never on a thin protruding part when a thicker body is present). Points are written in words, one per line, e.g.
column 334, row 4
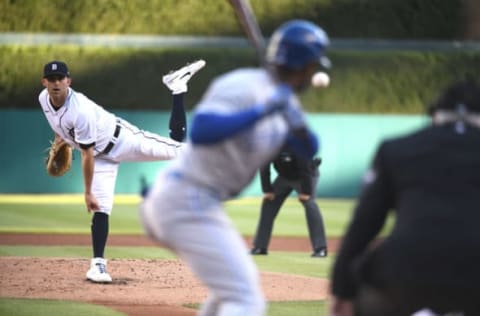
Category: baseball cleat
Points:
column 177, row 80
column 320, row 253
column 98, row 271
column 259, row 251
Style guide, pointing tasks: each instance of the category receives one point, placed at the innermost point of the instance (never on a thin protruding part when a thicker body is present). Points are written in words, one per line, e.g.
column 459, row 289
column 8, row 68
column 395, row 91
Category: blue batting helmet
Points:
column 296, row 43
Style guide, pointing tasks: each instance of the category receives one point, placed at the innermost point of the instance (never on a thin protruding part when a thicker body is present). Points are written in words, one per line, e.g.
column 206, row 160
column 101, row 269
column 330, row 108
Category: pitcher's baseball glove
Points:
column 59, row 159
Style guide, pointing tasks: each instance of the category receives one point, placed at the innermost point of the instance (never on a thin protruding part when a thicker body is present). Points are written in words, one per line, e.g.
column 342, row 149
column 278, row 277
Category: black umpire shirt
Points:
column 291, row 168
column 431, row 180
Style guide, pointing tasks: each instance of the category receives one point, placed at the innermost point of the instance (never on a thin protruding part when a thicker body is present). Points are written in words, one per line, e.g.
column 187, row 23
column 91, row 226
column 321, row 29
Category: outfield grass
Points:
column 41, row 307
column 318, row 308
column 301, row 308
column 66, row 214
column 86, row 252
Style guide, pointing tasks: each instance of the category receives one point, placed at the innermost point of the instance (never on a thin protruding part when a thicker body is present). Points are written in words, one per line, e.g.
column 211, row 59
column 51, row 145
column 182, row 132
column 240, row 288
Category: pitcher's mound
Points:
column 139, row 287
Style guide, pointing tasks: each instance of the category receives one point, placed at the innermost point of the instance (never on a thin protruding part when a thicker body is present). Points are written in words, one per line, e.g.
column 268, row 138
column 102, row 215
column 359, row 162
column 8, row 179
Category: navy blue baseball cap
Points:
column 55, row 68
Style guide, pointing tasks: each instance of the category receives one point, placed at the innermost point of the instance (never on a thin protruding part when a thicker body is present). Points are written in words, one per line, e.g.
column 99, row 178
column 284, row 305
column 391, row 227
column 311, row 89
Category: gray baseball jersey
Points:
column 184, row 207
column 227, row 167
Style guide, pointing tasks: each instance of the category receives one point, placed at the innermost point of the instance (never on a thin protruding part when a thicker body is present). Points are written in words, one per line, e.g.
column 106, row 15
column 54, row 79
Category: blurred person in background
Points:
column 430, row 260
column 293, row 173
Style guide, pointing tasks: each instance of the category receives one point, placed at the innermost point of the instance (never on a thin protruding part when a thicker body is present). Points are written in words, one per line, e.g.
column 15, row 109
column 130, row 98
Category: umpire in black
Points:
column 430, row 179
column 293, row 174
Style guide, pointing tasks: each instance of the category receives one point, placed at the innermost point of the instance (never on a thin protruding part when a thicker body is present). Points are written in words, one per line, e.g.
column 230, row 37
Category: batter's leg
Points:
column 268, row 213
column 210, row 306
column 230, row 274
column 192, row 222
column 216, row 253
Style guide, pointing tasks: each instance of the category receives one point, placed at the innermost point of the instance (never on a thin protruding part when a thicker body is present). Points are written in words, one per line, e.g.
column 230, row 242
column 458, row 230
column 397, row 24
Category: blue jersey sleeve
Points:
column 209, row 128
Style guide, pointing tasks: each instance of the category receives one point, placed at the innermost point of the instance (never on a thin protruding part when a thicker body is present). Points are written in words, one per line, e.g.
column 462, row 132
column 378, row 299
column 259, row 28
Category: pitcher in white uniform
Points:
column 104, row 141
column 240, row 124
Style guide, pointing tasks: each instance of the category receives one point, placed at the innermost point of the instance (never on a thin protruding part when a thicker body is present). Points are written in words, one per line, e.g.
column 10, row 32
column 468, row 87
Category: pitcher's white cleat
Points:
column 177, row 80
column 98, row 271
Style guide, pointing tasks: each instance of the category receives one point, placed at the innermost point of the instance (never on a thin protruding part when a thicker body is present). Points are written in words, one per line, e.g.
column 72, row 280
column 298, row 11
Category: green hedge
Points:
column 130, row 79
column 390, row 82
column 438, row 19
column 115, row 78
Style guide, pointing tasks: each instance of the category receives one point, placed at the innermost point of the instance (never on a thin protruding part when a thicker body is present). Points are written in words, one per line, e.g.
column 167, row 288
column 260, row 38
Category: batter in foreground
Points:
column 241, row 123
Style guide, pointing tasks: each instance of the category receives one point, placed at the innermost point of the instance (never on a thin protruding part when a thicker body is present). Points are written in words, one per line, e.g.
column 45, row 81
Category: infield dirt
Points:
column 139, row 287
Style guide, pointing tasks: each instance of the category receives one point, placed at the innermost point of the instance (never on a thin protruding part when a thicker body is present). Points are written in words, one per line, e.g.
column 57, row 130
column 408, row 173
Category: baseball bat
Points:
column 248, row 21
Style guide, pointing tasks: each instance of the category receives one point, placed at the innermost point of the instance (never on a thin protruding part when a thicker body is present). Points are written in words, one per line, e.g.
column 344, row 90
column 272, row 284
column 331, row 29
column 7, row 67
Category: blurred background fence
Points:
column 390, row 59
column 347, row 144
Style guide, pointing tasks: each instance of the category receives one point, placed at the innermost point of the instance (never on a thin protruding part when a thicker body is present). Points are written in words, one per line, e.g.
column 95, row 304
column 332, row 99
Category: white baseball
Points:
column 320, row 79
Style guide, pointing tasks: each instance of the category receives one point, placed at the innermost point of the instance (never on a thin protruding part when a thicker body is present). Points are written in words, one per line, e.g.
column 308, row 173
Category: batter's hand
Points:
column 269, row 196
column 340, row 307
column 303, row 197
column 91, row 202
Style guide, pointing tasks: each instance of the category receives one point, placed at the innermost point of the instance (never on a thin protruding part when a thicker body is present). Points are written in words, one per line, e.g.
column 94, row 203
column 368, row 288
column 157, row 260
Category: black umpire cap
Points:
column 55, row 68
column 465, row 92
